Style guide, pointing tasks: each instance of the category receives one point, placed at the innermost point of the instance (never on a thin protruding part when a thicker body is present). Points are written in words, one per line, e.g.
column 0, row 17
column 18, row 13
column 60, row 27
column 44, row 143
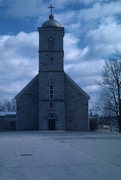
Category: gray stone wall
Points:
column 76, row 107
column 69, row 107
column 58, row 102
column 51, row 59
column 59, row 112
column 58, row 79
column 28, row 107
column 51, row 69
column 56, row 33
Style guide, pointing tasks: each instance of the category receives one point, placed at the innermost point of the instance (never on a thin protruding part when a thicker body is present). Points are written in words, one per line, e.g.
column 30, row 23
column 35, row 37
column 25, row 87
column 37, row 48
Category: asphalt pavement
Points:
column 60, row 155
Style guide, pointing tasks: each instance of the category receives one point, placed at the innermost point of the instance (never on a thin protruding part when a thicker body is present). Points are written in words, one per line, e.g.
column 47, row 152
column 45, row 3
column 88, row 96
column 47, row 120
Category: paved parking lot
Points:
column 55, row 155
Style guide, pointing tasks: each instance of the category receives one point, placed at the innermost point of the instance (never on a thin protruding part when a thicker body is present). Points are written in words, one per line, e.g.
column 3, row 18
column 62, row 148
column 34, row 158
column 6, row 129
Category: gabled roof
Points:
column 26, row 87
column 77, row 86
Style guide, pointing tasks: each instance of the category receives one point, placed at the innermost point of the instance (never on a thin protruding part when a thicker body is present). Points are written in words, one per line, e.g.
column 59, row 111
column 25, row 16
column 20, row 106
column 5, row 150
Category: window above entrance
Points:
column 51, row 90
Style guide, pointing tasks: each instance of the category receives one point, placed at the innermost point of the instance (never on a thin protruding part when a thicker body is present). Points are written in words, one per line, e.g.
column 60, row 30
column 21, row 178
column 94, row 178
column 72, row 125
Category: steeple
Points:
column 51, row 53
column 51, row 9
column 51, row 23
column 51, row 74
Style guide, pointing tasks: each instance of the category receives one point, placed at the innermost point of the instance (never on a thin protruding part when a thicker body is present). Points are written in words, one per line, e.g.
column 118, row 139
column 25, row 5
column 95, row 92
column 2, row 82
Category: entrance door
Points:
column 51, row 123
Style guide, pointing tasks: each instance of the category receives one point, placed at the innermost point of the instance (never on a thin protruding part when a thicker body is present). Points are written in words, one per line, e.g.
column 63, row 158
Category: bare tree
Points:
column 111, row 89
column 8, row 105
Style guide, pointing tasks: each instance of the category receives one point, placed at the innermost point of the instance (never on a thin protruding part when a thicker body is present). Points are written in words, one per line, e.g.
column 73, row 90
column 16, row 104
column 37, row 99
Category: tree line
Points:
column 109, row 103
column 7, row 105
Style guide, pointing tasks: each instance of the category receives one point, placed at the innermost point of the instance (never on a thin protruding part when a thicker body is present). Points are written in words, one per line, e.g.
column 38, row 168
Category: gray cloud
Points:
column 28, row 8
column 92, row 33
column 18, row 62
column 105, row 40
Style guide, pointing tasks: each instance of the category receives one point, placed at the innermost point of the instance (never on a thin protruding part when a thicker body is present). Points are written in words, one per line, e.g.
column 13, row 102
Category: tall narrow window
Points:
column 51, row 91
column 51, row 43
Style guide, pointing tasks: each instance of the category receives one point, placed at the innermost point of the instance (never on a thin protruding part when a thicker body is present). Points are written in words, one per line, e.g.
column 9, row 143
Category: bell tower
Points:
column 51, row 75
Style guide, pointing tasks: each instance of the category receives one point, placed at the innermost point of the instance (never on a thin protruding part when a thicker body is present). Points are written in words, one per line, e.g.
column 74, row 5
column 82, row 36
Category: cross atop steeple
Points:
column 51, row 9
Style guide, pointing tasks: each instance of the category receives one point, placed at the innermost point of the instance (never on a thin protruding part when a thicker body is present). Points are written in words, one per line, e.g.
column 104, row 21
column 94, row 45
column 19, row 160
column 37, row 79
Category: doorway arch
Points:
column 51, row 122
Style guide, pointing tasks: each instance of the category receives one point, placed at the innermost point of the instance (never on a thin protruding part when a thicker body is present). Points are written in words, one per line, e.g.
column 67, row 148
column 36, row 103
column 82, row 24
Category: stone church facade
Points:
column 52, row 100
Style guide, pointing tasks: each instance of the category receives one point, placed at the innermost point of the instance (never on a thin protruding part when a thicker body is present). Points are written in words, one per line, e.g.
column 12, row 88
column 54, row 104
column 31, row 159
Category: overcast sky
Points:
column 92, row 33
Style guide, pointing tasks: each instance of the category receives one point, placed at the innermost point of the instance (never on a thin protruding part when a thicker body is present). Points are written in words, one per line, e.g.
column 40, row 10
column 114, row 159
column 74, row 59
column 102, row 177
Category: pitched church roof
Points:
column 77, row 86
column 26, row 87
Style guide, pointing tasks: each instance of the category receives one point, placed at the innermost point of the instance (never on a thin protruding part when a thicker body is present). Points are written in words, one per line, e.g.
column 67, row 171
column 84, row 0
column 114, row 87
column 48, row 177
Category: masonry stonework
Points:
column 76, row 106
column 28, row 107
column 52, row 101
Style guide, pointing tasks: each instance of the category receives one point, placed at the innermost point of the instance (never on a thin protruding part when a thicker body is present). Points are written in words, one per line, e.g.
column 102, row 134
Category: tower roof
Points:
column 51, row 23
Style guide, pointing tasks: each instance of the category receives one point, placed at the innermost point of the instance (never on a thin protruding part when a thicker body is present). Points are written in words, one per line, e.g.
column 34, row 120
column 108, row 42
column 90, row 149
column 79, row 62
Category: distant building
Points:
column 52, row 100
column 108, row 122
column 7, row 121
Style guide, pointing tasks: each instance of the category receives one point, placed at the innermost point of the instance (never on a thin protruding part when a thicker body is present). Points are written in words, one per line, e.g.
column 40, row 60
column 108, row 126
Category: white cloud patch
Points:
column 85, row 73
column 100, row 10
column 105, row 40
column 72, row 51
column 18, row 62
column 93, row 31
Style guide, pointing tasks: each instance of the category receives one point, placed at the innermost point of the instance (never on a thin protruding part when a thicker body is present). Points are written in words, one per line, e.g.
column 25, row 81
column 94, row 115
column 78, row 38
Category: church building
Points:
column 52, row 100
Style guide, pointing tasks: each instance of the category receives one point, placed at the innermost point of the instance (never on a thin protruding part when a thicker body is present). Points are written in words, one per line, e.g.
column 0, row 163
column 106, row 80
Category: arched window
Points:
column 51, row 90
column 50, row 43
